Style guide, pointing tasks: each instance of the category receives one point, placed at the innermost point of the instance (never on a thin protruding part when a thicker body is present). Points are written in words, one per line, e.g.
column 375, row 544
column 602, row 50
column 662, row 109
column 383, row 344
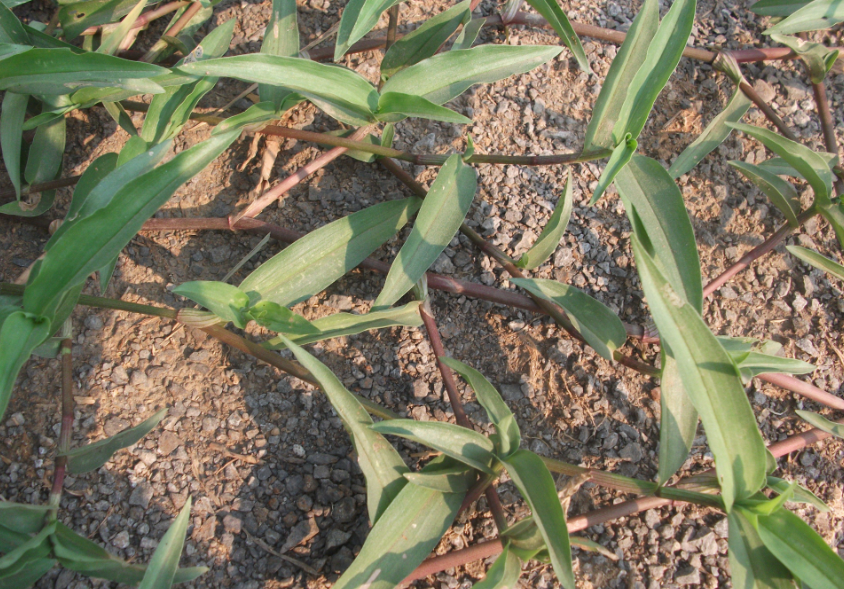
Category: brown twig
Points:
column 392, row 26
column 144, row 19
column 768, row 111
column 160, row 45
column 41, row 187
column 66, row 427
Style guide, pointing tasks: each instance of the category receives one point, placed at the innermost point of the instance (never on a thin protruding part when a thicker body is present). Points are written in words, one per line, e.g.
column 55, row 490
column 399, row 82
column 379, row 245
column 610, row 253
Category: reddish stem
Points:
column 41, row 187
column 768, row 111
column 66, row 430
column 145, row 18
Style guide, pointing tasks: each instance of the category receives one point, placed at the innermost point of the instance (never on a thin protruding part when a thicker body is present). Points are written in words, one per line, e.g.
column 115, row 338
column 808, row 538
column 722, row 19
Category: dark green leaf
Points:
column 597, row 323
column 715, row 133
column 752, row 566
column 460, row 443
column 447, row 75
column 111, row 43
column 677, row 421
column 524, row 539
column 11, row 29
column 281, row 38
column 551, row 11
column 93, row 456
column 164, row 564
column 620, row 157
column 441, row 215
column 10, row 539
column 77, row 16
column 394, row 107
column 35, row 548
column 91, row 177
column 23, row 518
column 505, row 571
column 822, row 423
column 19, row 335
column 469, row 34
column 358, row 18
column 550, row 237
column 224, row 300
column 121, row 117
column 44, row 161
column 782, row 193
column 759, row 504
column 778, row 7
column 380, row 462
column 818, row 261
column 11, row 135
column 27, row 575
column 664, row 52
column 312, row 263
column 536, row 485
column 816, row 15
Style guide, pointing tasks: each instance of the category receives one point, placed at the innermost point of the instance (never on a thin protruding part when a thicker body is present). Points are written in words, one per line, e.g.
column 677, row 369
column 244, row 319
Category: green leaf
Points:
column 254, row 115
column 715, row 133
column 441, row 215
column 75, row 17
column 759, row 504
column 504, row 572
column 782, row 193
column 164, row 564
column 11, row 29
column 402, row 538
column 524, row 539
column 551, row 11
column 460, row 443
column 801, row 494
column 752, row 566
column 801, row 549
column 597, row 323
column 19, row 335
column 445, row 475
column 425, row 41
column 282, row 320
column 61, row 71
column 341, row 93
column 817, row 57
column 340, row 324
column 822, row 423
column 79, row 554
column 321, row 257
column 664, row 52
column 34, row 548
column 44, row 161
column 490, row 399
column 93, row 456
column 91, row 178
column 358, row 18
column 778, row 166
column 380, row 462
column 281, row 38
column 11, row 135
column 817, row 15
column 469, row 34
column 817, row 260
column 111, row 43
column 620, row 157
column 812, row 166
column 23, row 518
column 536, row 485
column 224, row 300
column 10, row 539
column 677, row 421
column 550, row 237
column 711, row 381
column 448, row 75
column 94, row 241
column 394, row 107
column 662, row 224
column 28, row 574
column 121, row 117
column 778, row 7
column 755, row 363
column 834, row 214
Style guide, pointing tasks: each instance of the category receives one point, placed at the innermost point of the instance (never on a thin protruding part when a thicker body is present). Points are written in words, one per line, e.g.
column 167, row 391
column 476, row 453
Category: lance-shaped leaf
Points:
column 817, row 57
column 224, row 300
column 27, row 574
column 322, row 256
column 801, row 494
column 20, row 333
column 822, row 423
column 281, row 38
column 95, row 240
column 341, row 93
column 381, row 464
column 752, row 566
column 111, row 43
column 800, row 548
column 661, row 219
column 91, row 178
column 93, row 456
column 34, row 549
column 778, row 166
column 490, row 399
column 599, row 326
column 782, row 193
column 812, row 166
column 359, row 17
column 394, row 107
column 75, row 17
column 79, row 554
column 425, row 41
column 525, row 540
column 164, row 564
column 817, row 260
column 755, row 363
column 469, row 34
column 404, row 535
column 504, row 572
column 11, row 135
column 715, row 133
column 819, row 14
column 677, row 420
column 711, row 381
column 23, row 518
column 551, row 11
column 447, row 476
column 61, row 71
column 340, row 324
column 447, row 75
column 440, row 217
column 254, row 115
column 620, row 157
column 460, row 443
column 536, row 485
column 778, row 7
column 550, row 237
column 834, row 214
column 11, row 29
column 664, row 52
column 282, row 320
column 44, row 161
column 627, row 62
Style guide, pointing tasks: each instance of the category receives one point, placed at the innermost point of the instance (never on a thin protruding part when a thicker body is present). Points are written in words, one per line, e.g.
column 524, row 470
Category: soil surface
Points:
column 264, row 457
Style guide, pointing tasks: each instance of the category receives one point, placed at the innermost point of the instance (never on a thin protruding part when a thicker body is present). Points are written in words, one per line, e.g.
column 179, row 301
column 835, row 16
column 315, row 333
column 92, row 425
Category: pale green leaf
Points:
column 817, row 57
column 778, row 166
column 441, row 215
column 281, row 38
column 752, row 566
column 782, row 193
column 597, row 323
column 35, row 548
column 164, row 564
column 816, row 15
column 551, row 234
column 677, row 420
column 282, row 320
column 469, row 34
column 111, row 43
column 91, row 178
column 23, row 518
column 551, row 11
column 224, row 300
column 11, row 135
column 11, row 28
column 755, row 363
column 444, row 474
column 44, row 161
column 817, row 260
column 822, row 423
column 505, row 571
column 321, row 257
column 394, row 107
column 380, row 462
column 20, row 333
column 801, row 494
column 358, row 18
column 620, row 157
column 778, row 7
column 254, row 115
column 75, row 17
